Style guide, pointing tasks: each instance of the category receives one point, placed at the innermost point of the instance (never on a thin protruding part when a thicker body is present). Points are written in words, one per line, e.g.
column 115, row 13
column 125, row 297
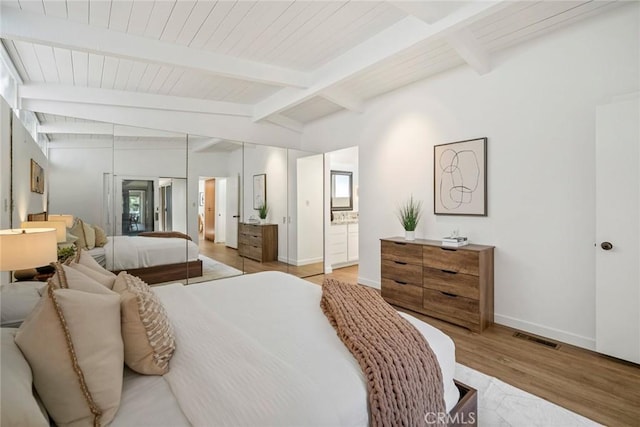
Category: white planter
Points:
column 263, row 220
column 409, row 235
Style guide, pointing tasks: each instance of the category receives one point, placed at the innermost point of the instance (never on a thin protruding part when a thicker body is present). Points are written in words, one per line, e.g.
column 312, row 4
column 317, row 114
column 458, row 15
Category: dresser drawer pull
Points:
column 449, row 295
column 400, row 243
column 400, row 283
column 449, row 271
column 400, row 262
column 449, row 249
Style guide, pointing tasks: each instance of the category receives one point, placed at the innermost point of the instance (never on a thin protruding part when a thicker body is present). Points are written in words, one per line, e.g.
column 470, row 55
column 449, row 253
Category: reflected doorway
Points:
column 137, row 206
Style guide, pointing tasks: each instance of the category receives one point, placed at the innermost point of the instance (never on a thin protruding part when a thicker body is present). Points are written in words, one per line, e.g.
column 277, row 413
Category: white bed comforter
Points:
column 257, row 350
column 126, row 252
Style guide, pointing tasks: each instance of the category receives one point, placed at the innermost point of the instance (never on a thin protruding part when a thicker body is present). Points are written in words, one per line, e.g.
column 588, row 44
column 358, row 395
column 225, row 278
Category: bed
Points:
column 153, row 259
column 297, row 358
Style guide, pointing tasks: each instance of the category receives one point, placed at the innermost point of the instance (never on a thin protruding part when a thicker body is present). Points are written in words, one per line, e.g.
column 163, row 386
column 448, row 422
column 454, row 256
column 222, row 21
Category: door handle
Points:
column 607, row 246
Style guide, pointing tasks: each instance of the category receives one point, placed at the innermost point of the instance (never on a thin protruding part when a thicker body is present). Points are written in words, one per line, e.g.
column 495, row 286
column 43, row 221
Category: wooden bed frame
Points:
column 167, row 272
column 151, row 275
column 465, row 413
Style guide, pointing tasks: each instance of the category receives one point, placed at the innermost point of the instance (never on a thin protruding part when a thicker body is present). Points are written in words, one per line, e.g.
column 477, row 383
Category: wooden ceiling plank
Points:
column 139, row 18
column 226, row 27
column 160, row 78
column 272, row 31
column 548, row 24
column 298, row 42
column 32, row 6
column 196, row 20
column 99, row 13
column 78, row 11
column 148, row 77
column 122, row 76
column 47, row 63
column 120, row 14
column 210, row 24
column 255, row 24
column 171, row 81
column 57, row 8
column 80, row 68
column 64, row 63
column 158, row 19
column 30, row 61
column 177, row 20
column 135, row 76
column 109, row 72
column 17, row 25
column 96, row 68
column 306, row 15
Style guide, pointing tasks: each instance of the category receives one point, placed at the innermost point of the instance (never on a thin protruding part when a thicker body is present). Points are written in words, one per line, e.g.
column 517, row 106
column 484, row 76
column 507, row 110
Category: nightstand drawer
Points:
column 403, row 272
column 451, row 305
column 399, row 251
column 464, row 285
column 451, row 259
column 403, row 295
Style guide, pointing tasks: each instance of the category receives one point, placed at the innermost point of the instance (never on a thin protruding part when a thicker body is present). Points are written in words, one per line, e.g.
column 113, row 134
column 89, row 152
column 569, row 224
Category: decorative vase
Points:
column 409, row 235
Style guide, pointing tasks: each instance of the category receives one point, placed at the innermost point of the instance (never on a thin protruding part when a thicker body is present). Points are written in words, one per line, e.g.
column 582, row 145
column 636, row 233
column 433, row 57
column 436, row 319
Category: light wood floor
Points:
column 598, row 387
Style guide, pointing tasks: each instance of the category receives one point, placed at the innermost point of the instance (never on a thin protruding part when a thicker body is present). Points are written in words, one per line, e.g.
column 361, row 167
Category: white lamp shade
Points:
column 68, row 219
column 59, row 226
column 27, row 248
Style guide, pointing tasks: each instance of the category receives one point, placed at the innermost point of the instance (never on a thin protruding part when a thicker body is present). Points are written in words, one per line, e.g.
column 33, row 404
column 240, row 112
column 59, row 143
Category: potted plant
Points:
column 409, row 215
column 263, row 211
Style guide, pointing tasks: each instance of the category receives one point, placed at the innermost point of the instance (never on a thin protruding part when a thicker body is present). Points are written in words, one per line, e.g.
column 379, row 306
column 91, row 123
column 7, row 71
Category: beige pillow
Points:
column 101, row 237
column 85, row 233
column 70, row 278
column 146, row 331
column 19, row 406
column 73, row 344
column 84, row 262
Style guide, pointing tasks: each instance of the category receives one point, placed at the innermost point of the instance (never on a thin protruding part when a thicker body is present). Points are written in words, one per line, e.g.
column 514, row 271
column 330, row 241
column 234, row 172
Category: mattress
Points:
column 282, row 313
column 128, row 252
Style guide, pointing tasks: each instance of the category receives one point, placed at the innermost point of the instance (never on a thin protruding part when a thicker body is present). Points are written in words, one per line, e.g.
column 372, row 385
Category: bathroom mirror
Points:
column 341, row 191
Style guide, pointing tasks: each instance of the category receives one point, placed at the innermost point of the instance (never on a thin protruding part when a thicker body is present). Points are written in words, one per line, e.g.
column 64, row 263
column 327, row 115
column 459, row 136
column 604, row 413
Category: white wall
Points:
column 537, row 107
column 179, row 205
column 5, row 174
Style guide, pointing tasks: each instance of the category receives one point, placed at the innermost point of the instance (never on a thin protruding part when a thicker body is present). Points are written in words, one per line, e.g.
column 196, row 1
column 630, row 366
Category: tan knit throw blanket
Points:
column 164, row 234
column 404, row 381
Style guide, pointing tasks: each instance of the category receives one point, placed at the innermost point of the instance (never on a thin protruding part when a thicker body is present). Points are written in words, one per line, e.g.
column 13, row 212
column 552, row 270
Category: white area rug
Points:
column 212, row 269
column 500, row 404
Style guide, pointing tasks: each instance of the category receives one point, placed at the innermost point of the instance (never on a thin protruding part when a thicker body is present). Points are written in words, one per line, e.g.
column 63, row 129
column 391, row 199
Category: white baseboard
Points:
column 545, row 331
column 369, row 282
column 308, row 261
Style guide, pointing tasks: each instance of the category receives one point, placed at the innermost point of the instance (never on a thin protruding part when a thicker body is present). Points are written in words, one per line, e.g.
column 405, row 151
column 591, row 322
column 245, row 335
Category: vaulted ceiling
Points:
column 240, row 70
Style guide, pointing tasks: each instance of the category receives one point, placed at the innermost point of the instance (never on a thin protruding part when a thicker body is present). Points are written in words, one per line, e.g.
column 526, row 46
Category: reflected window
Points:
column 341, row 191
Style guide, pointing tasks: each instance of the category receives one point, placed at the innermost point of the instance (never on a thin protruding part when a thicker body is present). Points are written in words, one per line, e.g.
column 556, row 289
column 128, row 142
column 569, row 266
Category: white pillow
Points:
column 17, row 300
column 19, row 406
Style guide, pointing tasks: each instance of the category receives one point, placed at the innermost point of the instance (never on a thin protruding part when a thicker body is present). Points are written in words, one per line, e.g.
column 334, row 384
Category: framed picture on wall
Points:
column 460, row 178
column 259, row 190
column 37, row 178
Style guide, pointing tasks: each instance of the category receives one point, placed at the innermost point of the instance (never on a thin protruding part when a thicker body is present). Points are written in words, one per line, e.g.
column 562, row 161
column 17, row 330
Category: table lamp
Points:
column 66, row 218
column 59, row 226
column 27, row 248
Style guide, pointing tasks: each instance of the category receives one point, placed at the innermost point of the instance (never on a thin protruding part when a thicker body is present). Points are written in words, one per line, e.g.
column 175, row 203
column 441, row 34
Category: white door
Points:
column 618, row 229
column 233, row 211
column 221, row 210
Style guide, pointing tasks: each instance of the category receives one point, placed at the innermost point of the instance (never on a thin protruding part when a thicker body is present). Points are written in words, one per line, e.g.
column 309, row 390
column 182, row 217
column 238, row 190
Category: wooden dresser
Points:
column 452, row 284
column 258, row 241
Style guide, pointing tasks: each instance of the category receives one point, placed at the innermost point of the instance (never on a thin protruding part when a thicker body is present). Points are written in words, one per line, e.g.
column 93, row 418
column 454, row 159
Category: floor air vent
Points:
column 537, row 340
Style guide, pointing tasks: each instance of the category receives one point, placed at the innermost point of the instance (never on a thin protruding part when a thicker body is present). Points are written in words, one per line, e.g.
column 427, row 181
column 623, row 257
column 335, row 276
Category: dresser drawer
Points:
column 451, row 306
column 250, row 239
column 252, row 252
column 402, row 272
column 464, row 285
column 457, row 260
column 408, row 296
column 398, row 251
column 251, row 229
